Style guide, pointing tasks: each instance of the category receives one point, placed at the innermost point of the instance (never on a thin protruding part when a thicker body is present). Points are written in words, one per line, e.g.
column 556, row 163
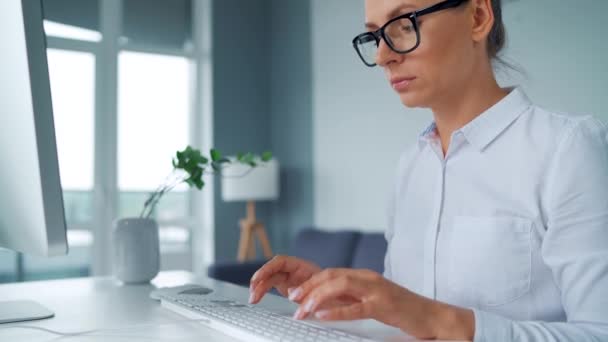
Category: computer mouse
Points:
column 189, row 289
column 196, row 291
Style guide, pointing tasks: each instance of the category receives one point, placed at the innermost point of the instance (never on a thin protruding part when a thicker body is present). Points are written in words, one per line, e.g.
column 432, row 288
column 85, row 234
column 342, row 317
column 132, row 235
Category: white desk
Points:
column 103, row 303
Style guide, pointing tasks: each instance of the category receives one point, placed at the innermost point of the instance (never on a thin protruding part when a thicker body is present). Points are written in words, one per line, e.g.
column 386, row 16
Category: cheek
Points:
column 439, row 58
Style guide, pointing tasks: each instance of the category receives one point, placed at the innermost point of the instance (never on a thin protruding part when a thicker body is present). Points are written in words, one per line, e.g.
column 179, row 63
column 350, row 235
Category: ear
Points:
column 483, row 20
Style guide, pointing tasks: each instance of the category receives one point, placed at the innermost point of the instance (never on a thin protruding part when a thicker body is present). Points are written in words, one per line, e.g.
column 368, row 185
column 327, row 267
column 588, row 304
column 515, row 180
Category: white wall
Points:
column 563, row 49
column 360, row 126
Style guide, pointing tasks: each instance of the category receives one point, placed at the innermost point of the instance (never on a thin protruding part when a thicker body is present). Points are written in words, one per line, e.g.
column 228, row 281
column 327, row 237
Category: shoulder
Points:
column 563, row 125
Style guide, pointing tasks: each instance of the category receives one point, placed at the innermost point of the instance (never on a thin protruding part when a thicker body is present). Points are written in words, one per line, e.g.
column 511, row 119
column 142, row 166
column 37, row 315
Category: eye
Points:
column 407, row 28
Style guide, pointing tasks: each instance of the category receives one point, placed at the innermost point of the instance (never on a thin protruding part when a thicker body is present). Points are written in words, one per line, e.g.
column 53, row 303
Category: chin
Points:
column 413, row 99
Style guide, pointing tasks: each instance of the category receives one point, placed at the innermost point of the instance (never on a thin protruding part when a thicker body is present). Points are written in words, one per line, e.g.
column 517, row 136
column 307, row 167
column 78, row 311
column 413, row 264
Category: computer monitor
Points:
column 32, row 218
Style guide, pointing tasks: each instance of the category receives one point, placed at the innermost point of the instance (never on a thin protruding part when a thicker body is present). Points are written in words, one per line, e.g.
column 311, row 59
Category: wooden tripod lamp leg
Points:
column 251, row 247
column 245, row 241
column 260, row 231
column 251, row 228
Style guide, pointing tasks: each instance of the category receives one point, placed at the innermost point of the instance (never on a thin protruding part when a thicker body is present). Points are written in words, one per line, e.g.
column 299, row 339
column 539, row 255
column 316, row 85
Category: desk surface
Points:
column 103, row 303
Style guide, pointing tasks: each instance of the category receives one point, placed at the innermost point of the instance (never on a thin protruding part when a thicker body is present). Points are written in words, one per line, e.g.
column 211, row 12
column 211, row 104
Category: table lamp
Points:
column 242, row 183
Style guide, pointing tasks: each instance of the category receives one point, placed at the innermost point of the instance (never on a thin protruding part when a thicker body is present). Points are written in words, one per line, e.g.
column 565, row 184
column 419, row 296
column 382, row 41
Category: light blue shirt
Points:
column 512, row 223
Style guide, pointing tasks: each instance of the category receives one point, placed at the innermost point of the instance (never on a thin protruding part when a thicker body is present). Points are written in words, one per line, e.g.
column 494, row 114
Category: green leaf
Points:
column 215, row 155
column 181, row 159
column 252, row 164
column 196, row 173
column 239, row 156
column 247, row 158
column 224, row 160
column 266, row 156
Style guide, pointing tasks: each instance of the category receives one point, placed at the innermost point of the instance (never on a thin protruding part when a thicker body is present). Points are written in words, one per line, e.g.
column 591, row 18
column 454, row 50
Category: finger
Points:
column 343, row 313
column 316, row 280
column 302, row 291
column 265, row 285
column 277, row 264
column 331, row 291
column 341, row 300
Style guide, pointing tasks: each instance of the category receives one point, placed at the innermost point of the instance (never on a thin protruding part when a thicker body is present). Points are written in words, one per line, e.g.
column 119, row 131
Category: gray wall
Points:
column 291, row 116
column 360, row 126
column 262, row 101
column 241, row 102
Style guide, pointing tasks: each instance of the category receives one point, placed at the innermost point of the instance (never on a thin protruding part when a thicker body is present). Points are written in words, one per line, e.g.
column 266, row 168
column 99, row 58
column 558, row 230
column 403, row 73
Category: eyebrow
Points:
column 394, row 13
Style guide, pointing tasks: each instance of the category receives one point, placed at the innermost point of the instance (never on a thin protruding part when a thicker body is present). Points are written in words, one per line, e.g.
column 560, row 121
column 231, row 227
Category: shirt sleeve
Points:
column 575, row 245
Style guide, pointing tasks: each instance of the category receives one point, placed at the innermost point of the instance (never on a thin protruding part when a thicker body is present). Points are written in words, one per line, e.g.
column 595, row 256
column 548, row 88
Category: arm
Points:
column 575, row 246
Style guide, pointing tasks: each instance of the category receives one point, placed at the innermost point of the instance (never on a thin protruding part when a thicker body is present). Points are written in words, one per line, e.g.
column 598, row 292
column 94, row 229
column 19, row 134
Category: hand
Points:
column 365, row 294
column 282, row 273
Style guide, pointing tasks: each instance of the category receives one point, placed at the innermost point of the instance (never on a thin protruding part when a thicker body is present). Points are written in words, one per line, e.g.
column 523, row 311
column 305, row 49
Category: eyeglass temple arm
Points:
column 438, row 7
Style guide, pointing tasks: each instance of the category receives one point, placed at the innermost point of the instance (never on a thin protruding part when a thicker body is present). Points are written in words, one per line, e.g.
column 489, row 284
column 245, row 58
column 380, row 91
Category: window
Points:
column 153, row 109
column 55, row 29
column 72, row 76
column 153, row 123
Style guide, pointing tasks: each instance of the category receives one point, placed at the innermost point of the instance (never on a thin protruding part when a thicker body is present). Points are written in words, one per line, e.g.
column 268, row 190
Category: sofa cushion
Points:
column 370, row 252
column 326, row 249
column 236, row 273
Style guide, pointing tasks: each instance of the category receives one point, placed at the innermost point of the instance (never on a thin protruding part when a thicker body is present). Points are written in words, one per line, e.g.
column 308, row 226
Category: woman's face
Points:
column 440, row 65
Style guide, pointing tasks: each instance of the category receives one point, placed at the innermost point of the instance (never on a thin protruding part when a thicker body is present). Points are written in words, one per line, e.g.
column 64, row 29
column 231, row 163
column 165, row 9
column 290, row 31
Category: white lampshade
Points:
column 260, row 184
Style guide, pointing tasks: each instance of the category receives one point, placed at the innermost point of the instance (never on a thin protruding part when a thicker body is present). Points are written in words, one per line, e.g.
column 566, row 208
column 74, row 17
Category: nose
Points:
column 386, row 56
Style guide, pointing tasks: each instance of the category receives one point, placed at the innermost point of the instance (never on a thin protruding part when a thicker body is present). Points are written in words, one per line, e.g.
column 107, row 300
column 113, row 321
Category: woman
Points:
column 498, row 227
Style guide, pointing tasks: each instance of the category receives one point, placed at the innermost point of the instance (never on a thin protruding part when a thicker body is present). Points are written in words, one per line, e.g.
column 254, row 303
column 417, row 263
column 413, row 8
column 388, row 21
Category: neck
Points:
column 465, row 104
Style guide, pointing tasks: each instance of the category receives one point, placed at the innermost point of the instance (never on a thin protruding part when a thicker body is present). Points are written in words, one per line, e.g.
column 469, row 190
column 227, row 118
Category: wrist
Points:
column 453, row 323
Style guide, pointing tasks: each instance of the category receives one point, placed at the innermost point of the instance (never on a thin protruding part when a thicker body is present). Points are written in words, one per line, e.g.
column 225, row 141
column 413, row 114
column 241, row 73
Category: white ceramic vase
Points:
column 136, row 257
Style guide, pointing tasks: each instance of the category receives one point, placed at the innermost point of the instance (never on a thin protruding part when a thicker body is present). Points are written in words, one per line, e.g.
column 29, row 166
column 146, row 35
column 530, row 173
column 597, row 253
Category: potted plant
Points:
column 136, row 242
column 189, row 166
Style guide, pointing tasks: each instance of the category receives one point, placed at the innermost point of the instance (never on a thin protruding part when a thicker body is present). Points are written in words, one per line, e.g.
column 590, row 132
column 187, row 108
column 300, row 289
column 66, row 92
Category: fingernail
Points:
column 322, row 314
column 296, row 315
column 295, row 294
column 255, row 275
column 251, row 298
column 308, row 306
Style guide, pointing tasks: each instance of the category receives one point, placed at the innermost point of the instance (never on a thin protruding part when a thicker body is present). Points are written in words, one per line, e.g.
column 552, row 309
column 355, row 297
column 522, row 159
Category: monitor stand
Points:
column 23, row 310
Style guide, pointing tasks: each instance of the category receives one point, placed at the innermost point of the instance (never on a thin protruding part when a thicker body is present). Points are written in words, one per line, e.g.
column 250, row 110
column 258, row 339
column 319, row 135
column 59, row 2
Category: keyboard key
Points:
column 259, row 322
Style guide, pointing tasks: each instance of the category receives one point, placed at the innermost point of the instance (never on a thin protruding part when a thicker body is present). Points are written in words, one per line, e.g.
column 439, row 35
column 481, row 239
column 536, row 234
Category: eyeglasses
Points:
column 401, row 33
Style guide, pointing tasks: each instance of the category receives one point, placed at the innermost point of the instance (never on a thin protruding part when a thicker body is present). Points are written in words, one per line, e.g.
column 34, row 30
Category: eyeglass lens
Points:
column 400, row 35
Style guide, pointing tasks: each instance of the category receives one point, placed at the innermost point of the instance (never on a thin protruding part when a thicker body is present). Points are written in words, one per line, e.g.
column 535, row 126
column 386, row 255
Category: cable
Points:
column 97, row 331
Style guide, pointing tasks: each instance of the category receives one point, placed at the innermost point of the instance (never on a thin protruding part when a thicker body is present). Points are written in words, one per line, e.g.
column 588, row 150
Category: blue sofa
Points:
column 344, row 248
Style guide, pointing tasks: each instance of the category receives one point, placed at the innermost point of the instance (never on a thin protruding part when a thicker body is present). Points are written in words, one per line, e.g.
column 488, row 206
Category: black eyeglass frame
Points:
column 412, row 16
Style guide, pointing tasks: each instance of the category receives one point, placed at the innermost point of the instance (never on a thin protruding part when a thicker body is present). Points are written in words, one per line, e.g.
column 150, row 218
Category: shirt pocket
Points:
column 490, row 259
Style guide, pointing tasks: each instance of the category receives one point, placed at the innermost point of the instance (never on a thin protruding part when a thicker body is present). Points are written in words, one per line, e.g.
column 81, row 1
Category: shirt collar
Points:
column 429, row 134
column 486, row 127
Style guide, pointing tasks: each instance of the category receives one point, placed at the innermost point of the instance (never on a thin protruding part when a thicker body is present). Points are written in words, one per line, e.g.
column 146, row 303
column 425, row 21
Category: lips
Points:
column 401, row 83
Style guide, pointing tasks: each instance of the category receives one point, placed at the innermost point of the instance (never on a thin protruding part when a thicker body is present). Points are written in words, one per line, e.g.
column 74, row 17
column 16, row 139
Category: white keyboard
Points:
column 248, row 322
